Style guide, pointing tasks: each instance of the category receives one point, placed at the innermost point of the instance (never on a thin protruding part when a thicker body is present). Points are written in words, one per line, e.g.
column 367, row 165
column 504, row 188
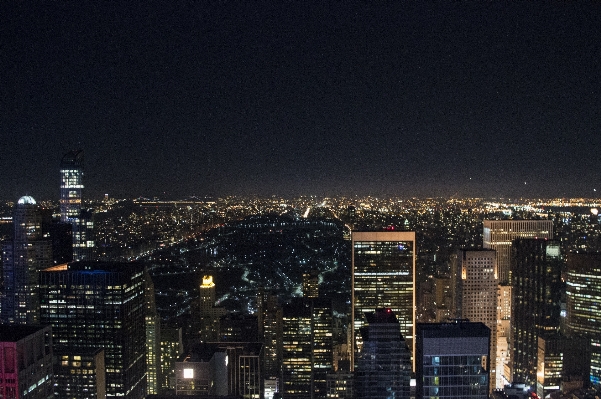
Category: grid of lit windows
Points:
column 96, row 305
column 383, row 277
column 583, row 292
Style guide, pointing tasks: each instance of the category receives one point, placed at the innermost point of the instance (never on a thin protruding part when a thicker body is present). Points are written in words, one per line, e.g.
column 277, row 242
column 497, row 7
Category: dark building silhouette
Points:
column 384, row 366
column 535, row 305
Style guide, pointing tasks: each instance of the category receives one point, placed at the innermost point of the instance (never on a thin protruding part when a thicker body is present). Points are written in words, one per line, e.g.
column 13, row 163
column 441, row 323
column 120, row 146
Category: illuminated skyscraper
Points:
column 22, row 259
column 270, row 320
column 535, row 306
column 71, row 171
column 383, row 276
column 583, row 291
column 99, row 305
column 498, row 235
column 478, row 293
column 297, row 353
column 209, row 313
column 153, row 339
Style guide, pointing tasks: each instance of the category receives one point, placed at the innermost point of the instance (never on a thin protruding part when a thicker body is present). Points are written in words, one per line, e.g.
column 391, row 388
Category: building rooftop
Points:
column 15, row 333
column 458, row 329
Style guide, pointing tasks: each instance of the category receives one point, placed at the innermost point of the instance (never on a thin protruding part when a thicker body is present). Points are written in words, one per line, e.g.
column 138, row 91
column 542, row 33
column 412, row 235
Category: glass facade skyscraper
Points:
column 22, row 259
column 384, row 365
column 583, row 292
column 499, row 234
column 383, row 276
column 452, row 360
column 72, row 212
column 536, row 302
column 99, row 305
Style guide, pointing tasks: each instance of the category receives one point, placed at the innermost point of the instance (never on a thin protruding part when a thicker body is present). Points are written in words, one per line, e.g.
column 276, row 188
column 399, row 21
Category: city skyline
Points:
column 419, row 99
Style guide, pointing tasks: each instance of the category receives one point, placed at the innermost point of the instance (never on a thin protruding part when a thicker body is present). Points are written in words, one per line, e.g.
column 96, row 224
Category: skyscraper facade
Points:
column 26, row 362
column 383, row 276
column 499, row 234
column 22, row 259
column 71, row 171
column 297, row 350
column 452, row 360
column 478, row 291
column 99, row 305
column 384, row 365
column 209, row 313
column 583, row 307
column 535, row 306
column 153, row 339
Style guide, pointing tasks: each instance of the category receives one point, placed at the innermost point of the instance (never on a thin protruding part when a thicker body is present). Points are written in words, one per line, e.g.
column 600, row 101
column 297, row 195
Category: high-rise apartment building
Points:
column 499, row 234
column 26, row 362
column 384, row 365
column 535, row 305
column 99, row 305
column 583, row 310
column 72, row 211
column 171, row 349
column 452, row 360
column 383, row 276
column 477, row 289
column 22, row 259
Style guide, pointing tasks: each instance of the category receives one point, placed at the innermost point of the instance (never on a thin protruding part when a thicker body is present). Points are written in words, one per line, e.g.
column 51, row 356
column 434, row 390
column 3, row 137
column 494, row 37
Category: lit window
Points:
column 188, row 373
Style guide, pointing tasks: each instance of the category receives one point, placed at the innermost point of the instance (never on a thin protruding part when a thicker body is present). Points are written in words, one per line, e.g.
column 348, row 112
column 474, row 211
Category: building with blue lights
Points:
column 72, row 211
column 93, row 306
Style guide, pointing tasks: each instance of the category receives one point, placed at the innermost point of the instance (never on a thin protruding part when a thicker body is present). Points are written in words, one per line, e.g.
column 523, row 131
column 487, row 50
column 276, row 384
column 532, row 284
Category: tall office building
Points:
column 26, row 362
column 383, row 276
column 297, row 350
column 22, row 259
column 499, row 234
column 99, row 305
column 270, row 320
column 72, row 212
column 561, row 359
column 153, row 339
column 478, row 293
column 171, row 348
column 503, row 333
column 452, row 360
column 384, row 365
column 535, row 306
column 209, row 313
column 583, row 310
column 311, row 284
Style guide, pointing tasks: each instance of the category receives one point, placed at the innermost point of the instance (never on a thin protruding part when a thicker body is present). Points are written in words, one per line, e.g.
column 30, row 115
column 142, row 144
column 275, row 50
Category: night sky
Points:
column 179, row 98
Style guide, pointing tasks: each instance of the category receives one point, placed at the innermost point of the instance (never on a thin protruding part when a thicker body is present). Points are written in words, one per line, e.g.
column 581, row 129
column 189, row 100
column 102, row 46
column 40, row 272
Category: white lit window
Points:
column 188, row 373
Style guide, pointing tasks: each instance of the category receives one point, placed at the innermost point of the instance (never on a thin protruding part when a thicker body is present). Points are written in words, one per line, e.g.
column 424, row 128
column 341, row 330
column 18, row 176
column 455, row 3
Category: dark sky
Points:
column 178, row 98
